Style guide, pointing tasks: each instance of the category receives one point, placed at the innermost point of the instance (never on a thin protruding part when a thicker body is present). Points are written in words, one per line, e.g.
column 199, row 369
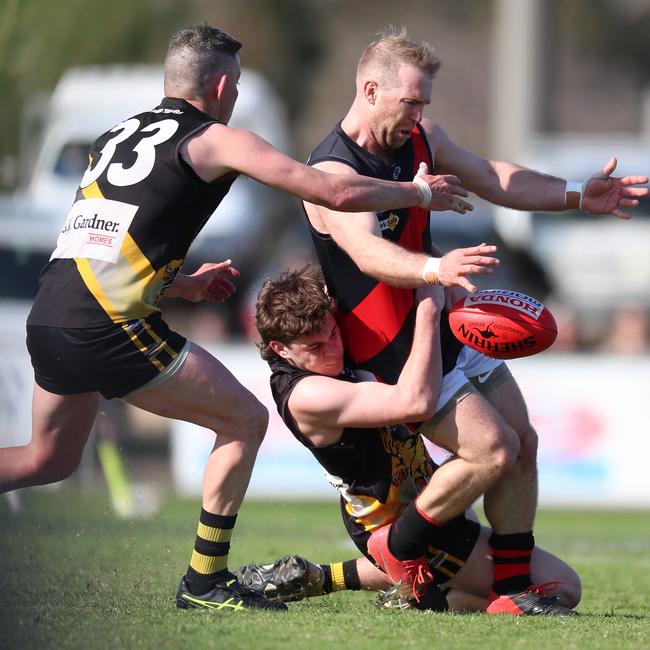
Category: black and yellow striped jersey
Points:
column 137, row 210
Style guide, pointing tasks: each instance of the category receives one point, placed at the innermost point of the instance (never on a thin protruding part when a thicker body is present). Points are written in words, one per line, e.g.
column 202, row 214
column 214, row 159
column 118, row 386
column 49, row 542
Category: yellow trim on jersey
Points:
column 207, row 564
column 212, row 534
column 143, row 348
column 92, row 191
column 88, row 276
column 138, row 262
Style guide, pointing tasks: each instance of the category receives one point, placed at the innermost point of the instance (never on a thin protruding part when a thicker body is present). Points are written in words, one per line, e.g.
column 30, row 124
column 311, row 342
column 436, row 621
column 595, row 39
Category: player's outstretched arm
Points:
column 516, row 187
column 220, row 150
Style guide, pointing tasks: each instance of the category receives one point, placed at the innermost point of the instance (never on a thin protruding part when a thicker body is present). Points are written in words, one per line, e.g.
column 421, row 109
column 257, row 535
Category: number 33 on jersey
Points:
column 137, row 210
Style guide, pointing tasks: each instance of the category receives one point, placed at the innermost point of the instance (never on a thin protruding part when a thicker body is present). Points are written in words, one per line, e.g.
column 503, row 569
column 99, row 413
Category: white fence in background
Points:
column 591, row 413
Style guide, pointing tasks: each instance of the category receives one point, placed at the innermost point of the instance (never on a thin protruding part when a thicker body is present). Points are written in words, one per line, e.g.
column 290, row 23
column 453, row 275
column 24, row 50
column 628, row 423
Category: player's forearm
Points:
column 354, row 193
column 420, row 378
column 387, row 261
column 524, row 189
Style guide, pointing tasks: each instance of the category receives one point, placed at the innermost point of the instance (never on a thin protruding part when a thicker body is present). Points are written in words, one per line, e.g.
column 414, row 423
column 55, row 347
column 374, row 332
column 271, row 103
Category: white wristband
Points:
column 424, row 191
column 431, row 269
column 573, row 195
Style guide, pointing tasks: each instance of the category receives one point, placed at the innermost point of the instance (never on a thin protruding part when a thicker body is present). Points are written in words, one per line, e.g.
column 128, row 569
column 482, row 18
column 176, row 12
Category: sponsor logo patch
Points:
column 94, row 229
column 390, row 223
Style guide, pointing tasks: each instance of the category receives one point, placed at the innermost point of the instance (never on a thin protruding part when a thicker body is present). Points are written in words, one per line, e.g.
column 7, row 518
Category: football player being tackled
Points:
column 355, row 429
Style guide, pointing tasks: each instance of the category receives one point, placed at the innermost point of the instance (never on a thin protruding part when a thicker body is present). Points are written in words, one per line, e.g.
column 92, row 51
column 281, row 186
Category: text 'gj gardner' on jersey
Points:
column 137, row 210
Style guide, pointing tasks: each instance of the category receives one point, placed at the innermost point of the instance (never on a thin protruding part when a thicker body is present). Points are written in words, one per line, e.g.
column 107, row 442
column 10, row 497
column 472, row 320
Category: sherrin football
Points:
column 503, row 324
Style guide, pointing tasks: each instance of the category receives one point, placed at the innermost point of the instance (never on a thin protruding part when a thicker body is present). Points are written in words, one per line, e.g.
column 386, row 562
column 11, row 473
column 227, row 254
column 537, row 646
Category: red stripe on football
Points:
column 503, row 324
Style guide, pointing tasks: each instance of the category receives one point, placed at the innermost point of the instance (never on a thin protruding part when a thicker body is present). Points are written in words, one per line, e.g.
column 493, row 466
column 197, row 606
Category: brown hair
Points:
column 392, row 48
column 289, row 305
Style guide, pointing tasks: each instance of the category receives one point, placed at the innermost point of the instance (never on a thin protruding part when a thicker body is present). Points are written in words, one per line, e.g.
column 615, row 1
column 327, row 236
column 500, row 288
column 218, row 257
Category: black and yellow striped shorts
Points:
column 116, row 359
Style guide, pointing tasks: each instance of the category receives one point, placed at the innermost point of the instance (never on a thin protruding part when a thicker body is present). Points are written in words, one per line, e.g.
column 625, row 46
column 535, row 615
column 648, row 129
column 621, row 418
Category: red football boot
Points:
column 411, row 577
column 535, row 601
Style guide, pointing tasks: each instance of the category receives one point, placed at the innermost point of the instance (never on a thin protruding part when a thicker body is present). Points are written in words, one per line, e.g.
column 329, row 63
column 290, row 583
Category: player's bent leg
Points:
column 511, row 503
column 202, row 391
column 61, row 425
column 292, row 577
column 485, row 449
column 561, row 579
column 205, row 393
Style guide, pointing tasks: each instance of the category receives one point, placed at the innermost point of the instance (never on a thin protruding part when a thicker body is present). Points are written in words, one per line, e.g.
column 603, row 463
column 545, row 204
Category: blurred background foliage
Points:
column 290, row 41
column 40, row 39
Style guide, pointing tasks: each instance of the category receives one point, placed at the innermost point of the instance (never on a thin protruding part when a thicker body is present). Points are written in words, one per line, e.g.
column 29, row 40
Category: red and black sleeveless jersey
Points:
column 378, row 470
column 376, row 319
column 137, row 210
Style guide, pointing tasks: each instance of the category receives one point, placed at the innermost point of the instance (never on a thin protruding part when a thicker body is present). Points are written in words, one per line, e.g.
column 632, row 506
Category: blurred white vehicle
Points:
column 86, row 102
column 593, row 263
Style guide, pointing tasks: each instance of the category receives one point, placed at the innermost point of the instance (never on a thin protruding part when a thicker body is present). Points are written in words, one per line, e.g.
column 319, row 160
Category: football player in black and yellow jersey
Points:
column 372, row 261
column 95, row 327
column 355, row 429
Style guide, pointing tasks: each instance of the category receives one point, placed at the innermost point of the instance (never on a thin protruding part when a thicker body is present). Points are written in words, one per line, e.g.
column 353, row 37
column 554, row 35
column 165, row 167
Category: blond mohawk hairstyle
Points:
column 393, row 48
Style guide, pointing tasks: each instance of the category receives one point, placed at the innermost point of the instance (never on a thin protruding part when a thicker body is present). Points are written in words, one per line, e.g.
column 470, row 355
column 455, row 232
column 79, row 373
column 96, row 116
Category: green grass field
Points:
column 73, row 576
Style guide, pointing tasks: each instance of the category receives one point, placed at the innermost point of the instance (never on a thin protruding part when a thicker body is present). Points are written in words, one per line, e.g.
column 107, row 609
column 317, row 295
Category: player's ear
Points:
column 279, row 348
column 219, row 84
column 370, row 91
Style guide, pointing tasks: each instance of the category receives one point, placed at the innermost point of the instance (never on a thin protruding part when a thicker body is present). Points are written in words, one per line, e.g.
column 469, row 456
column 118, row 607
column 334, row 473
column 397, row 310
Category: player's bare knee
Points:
column 50, row 465
column 528, row 442
column 260, row 424
column 505, row 450
column 250, row 423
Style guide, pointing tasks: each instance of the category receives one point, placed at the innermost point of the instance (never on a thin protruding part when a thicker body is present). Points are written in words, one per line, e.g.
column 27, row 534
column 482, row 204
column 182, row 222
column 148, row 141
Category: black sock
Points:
column 412, row 533
column 209, row 561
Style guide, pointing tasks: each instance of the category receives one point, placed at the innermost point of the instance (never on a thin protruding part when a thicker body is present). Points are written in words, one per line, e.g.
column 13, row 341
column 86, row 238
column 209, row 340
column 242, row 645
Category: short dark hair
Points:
column 289, row 305
column 195, row 55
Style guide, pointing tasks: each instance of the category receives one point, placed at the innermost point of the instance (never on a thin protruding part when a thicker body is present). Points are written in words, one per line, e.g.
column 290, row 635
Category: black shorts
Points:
column 446, row 558
column 114, row 359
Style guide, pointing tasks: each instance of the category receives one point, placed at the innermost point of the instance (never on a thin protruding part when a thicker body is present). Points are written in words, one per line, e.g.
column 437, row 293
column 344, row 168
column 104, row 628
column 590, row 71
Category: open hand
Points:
column 210, row 282
column 456, row 265
column 606, row 194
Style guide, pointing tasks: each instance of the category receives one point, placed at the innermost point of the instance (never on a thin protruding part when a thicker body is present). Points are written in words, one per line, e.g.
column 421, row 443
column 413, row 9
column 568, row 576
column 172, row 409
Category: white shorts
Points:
column 470, row 363
column 456, row 384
